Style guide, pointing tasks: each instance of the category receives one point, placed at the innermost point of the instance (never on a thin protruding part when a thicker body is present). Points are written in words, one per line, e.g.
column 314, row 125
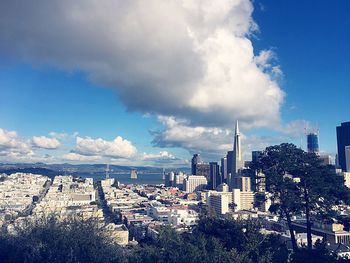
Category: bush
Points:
column 48, row 240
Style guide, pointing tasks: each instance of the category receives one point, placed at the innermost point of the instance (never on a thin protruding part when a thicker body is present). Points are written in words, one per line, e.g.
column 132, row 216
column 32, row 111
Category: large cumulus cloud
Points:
column 190, row 59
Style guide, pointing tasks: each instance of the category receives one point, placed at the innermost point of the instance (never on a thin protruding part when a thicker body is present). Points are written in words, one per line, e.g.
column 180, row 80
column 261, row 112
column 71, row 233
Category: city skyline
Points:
column 96, row 96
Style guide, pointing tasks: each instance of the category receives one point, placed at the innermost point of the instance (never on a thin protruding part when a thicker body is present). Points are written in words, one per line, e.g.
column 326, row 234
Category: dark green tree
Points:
column 278, row 164
column 300, row 183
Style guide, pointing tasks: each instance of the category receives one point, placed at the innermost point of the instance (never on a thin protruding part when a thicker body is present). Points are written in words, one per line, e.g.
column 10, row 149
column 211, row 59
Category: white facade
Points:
column 195, row 183
column 247, row 200
column 219, row 203
column 177, row 217
column 236, row 198
column 159, row 212
column 346, row 176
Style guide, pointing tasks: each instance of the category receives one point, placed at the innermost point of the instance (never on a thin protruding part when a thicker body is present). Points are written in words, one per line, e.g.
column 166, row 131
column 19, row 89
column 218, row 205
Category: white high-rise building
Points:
column 195, row 183
column 219, row 203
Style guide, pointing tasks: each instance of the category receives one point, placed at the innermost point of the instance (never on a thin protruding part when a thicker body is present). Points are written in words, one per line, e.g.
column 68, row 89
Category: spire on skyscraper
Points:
column 236, row 128
column 237, row 151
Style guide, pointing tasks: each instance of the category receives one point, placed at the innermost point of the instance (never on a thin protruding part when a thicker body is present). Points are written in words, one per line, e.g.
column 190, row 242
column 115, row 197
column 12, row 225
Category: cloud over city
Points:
column 205, row 70
column 191, row 62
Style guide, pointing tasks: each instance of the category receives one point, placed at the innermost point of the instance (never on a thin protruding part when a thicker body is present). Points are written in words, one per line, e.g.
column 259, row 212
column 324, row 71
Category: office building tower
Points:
column 247, row 200
column 347, row 158
column 343, row 139
column 169, row 179
column 194, row 183
column 219, row 203
column 256, row 155
column 214, row 178
column 223, row 169
column 203, row 169
column 229, row 163
column 196, row 159
column 223, row 188
column 312, row 143
column 260, row 182
column 238, row 162
column 241, row 182
column 178, row 180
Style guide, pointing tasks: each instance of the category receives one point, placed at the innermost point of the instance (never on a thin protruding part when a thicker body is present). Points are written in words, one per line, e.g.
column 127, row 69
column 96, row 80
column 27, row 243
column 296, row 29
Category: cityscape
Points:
column 174, row 131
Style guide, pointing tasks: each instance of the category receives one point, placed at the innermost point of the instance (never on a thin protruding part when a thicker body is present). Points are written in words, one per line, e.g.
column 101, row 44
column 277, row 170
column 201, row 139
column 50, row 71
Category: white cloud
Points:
column 208, row 141
column 117, row 148
column 191, row 59
column 11, row 143
column 213, row 143
column 80, row 158
column 45, row 142
column 157, row 156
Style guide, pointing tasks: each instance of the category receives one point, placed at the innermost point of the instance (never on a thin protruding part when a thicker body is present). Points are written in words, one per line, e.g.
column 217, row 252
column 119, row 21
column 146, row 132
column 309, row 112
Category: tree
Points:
column 321, row 189
column 278, row 163
column 300, row 183
column 48, row 240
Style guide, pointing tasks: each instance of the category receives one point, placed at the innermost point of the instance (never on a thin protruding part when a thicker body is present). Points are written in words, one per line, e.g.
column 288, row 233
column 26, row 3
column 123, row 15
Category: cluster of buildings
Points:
column 69, row 197
column 233, row 190
column 28, row 197
column 144, row 208
column 18, row 193
column 130, row 213
column 225, row 189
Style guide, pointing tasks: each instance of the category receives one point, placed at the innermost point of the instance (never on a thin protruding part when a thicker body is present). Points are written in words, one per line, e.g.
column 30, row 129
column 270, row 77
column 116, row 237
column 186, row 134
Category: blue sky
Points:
column 45, row 89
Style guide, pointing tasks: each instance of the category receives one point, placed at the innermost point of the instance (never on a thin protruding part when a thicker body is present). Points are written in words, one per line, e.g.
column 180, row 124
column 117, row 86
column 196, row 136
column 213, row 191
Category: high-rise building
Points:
column 256, row 155
column 194, row 183
column 343, row 139
column 169, row 179
column 215, row 178
column 223, row 188
column 347, row 158
column 260, row 182
column 241, row 182
column 238, row 162
column 312, row 143
column 247, row 200
column 224, row 169
column 219, row 203
column 229, row 163
column 196, row 159
column 203, row 169
column 178, row 180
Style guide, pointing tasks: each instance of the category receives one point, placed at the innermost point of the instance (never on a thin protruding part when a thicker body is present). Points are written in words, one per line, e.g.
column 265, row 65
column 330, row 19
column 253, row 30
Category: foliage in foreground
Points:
column 48, row 240
column 214, row 240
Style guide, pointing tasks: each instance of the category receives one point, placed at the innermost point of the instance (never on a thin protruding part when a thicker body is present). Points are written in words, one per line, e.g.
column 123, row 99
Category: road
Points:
column 30, row 208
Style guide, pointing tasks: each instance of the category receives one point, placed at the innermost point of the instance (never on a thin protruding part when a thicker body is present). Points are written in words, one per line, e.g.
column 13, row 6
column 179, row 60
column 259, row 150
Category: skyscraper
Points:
column 196, row 159
column 343, row 139
column 347, row 158
column 312, row 143
column 238, row 162
column 224, row 169
column 215, row 178
column 203, row 169
column 194, row 183
column 256, row 155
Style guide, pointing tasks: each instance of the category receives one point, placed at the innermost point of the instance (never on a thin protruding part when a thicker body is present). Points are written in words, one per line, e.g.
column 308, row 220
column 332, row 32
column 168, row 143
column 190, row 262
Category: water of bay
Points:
column 142, row 178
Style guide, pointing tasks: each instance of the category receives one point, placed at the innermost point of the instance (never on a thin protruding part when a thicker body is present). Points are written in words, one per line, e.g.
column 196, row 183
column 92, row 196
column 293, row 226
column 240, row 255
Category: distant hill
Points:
column 42, row 171
column 65, row 168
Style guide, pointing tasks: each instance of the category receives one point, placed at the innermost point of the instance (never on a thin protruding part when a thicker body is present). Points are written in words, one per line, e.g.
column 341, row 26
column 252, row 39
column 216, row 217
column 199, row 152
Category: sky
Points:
column 153, row 82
